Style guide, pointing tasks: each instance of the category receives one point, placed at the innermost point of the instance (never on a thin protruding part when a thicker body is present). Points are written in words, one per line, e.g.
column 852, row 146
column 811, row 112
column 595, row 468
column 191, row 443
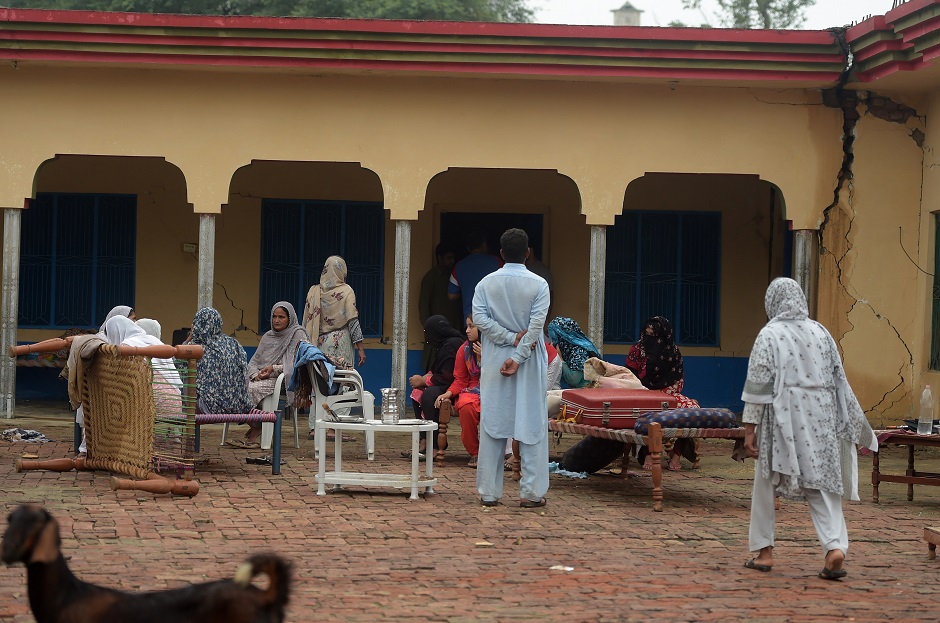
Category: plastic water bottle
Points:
column 925, row 421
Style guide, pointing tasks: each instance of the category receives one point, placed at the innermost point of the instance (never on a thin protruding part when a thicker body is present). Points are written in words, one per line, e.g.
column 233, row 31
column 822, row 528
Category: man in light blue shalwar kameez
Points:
column 509, row 309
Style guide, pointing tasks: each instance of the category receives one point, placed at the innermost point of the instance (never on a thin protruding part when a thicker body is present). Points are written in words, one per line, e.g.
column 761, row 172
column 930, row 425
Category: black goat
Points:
column 57, row 596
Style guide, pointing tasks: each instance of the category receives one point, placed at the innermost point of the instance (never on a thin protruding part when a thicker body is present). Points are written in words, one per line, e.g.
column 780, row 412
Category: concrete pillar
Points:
column 9, row 309
column 206, row 279
column 598, row 282
column 806, row 264
column 400, row 306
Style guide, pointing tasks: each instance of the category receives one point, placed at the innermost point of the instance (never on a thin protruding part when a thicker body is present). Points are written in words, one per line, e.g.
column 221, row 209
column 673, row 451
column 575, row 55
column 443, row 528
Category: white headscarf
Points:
column 123, row 330
column 119, row 310
column 151, row 327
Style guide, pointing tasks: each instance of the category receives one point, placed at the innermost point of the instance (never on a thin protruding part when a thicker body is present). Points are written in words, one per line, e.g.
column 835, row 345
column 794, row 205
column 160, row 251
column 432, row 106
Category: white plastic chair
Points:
column 357, row 396
column 271, row 404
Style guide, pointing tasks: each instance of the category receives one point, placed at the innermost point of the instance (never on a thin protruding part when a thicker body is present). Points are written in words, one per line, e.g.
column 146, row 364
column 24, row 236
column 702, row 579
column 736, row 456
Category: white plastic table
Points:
column 338, row 477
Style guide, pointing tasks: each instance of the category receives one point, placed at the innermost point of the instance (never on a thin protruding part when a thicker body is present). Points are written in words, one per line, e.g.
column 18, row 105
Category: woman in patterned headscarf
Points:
column 574, row 347
column 657, row 362
column 222, row 372
column 331, row 317
column 802, row 424
column 275, row 352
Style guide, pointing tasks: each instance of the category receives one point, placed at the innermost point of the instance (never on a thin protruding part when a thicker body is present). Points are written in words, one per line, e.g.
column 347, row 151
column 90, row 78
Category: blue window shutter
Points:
column 663, row 264
column 701, row 259
column 78, row 259
column 621, row 281
column 659, row 243
column 75, row 244
column 298, row 236
column 364, row 251
column 37, row 258
column 115, row 272
column 281, row 252
column 323, row 237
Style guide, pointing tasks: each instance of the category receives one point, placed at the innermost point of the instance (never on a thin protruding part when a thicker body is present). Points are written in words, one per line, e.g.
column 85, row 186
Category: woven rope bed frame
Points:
column 654, row 441
column 119, row 413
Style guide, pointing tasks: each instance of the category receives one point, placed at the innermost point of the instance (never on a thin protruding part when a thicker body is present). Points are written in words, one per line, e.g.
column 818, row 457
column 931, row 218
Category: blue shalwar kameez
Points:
column 505, row 302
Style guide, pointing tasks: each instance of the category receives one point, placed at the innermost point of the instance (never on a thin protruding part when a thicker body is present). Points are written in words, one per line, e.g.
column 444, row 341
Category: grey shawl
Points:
column 278, row 347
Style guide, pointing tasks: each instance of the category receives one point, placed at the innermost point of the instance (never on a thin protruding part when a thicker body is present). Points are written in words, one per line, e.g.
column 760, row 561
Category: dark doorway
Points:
column 456, row 225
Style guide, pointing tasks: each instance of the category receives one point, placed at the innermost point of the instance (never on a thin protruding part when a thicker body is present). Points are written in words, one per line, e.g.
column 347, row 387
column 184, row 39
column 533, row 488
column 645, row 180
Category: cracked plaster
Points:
column 867, row 285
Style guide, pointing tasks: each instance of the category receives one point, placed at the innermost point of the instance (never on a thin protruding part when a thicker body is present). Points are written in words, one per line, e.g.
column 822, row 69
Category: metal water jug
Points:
column 389, row 405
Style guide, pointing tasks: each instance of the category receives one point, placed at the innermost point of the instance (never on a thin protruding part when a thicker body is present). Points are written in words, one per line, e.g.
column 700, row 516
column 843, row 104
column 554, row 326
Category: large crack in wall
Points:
column 839, row 218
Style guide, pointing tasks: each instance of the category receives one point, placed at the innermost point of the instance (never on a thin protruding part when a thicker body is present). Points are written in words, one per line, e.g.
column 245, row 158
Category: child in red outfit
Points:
column 466, row 387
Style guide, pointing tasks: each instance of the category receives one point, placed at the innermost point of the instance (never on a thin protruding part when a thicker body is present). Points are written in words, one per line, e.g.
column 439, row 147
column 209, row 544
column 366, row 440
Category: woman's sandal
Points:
column 472, row 462
column 753, row 564
column 833, row 574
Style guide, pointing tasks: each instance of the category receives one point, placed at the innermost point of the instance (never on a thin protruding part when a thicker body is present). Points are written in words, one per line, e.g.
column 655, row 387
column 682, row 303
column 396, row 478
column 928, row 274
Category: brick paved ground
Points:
column 373, row 555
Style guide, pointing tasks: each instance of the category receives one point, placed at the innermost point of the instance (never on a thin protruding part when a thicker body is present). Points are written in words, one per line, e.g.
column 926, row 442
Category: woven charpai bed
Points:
column 653, row 440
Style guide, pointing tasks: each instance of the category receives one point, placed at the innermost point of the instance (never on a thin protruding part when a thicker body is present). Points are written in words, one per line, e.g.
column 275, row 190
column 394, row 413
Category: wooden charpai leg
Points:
column 654, row 441
column 446, row 411
column 932, row 536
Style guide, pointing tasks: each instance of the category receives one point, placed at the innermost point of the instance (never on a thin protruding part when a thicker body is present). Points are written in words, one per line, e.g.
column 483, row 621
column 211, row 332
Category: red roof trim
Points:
column 783, row 37
column 891, row 45
column 903, row 10
column 408, row 46
column 482, row 68
column 919, row 30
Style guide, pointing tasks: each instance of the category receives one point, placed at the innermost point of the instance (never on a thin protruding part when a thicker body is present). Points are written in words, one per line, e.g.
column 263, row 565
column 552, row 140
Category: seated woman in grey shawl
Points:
column 802, row 424
column 274, row 355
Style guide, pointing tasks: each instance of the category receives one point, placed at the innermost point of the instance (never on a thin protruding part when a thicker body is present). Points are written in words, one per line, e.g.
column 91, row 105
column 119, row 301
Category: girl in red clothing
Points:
column 466, row 387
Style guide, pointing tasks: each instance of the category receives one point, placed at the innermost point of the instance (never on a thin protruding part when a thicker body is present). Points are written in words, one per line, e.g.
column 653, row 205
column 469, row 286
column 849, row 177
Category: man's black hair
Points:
column 475, row 239
column 441, row 249
column 514, row 244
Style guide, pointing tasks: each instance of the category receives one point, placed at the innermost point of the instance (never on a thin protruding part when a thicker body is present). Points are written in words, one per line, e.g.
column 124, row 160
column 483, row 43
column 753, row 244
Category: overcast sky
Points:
column 824, row 14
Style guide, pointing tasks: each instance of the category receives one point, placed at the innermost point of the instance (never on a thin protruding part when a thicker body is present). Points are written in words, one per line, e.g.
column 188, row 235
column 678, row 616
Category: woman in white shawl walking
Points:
column 802, row 424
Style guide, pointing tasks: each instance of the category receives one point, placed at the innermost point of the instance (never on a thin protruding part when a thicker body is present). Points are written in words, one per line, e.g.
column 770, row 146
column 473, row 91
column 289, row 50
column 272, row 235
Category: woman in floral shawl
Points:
column 331, row 317
column 802, row 424
column 222, row 372
column 574, row 347
column 657, row 362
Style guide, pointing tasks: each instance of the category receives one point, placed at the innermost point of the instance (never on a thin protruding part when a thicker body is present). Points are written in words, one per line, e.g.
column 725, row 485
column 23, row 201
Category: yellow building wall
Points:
column 872, row 296
column 409, row 129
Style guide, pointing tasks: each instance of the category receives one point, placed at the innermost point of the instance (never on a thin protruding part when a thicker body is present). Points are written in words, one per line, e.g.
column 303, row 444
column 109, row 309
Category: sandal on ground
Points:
column 829, row 574
column 311, row 435
column 833, row 574
column 532, row 503
column 472, row 462
column 753, row 564
column 237, row 443
column 489, row 502
column 407, row 455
